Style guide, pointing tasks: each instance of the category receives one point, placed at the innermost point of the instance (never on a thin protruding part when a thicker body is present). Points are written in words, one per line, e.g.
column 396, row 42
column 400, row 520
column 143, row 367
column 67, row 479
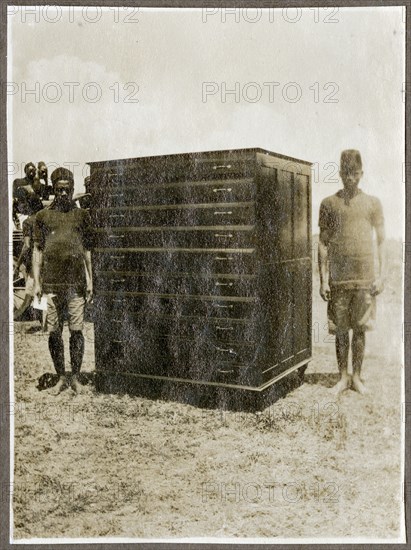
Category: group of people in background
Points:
column 30, row 192
column 30, row 195
column 56, row 254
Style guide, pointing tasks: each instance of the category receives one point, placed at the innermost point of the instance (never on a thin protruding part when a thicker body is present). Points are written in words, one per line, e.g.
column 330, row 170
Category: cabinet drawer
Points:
column 223, row 285
column 174, row 357
column 190, row 261
column 201, row 350
column 116, row 323
column 174, row 345
column 149, row 170
column 217, row 331
column 175, row 168
column 231, row 190
column 222, row 167
column 239, row 236
column 129, row 305
column 195, row 214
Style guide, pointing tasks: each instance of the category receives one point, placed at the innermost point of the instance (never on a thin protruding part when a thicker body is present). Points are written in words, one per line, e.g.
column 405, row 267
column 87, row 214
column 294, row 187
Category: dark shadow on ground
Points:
column 50, row 379
column 34, row 329
column 327, row 379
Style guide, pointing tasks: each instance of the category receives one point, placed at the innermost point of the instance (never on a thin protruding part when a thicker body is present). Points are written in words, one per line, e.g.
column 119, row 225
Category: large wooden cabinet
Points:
column 202, row 267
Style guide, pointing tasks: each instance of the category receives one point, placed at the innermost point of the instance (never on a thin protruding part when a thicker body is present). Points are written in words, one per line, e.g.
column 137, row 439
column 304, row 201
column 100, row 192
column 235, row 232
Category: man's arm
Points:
column 87, row 234
column 37, row 261
column 378, row 285
column 89, row 279
column 323, row 265
column 23, row 254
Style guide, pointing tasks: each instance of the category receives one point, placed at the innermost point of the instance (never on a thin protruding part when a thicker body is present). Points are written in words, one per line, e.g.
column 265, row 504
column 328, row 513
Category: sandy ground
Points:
column 310, row 465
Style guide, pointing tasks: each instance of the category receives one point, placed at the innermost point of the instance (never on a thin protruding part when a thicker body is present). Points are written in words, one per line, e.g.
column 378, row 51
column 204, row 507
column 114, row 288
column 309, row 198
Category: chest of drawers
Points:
column 202, row 267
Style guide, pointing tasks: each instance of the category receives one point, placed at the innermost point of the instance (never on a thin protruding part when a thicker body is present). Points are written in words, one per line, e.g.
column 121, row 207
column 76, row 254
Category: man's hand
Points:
column 377, row 286
column 89, row 292
column 325, row 292
column 37, row 291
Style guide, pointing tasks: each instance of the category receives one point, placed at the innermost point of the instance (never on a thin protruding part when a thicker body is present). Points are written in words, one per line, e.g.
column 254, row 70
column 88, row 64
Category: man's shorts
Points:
column 351, row 309
column 65, row 303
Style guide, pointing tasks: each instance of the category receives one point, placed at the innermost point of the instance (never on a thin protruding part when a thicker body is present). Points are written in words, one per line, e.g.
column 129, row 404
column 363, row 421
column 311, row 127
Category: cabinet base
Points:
column 202, row 395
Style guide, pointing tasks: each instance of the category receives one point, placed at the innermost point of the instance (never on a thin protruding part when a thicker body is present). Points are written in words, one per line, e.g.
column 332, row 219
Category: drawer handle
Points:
column 223, row 284
column 220, row 258
column 224, row 328
column 116, row 236
column 118, row 281
column 228, row 212
column 120, row 300
column 121, row 257
column 225, row 371
column 227, row 236
column 217, row 189
column 219, row 166
column 230, row 306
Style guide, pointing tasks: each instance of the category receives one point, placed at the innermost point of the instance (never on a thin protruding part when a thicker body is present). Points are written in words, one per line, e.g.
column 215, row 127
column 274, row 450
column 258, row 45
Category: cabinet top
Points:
column 240, row 154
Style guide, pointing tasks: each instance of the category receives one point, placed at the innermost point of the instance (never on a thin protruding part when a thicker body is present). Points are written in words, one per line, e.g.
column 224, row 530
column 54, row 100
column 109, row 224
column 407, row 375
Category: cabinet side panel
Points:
column 303, row 273
column 301, row 216
column 302, row 309
column 284, row 236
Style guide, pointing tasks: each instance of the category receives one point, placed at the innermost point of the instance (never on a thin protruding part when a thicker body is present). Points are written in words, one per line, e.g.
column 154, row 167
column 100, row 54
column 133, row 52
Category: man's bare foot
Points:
column 60, row 386
column 342, row 385
column 75, row 384
column 358, row 385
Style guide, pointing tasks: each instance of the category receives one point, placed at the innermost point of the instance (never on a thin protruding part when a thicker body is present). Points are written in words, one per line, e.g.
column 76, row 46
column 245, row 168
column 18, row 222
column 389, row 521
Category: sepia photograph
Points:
column 206, row 250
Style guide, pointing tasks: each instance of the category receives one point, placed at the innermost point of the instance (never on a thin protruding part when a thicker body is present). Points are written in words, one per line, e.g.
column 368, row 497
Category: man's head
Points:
column 30, row 170
column 42, row 171
column 63, row 186
column 351, row 169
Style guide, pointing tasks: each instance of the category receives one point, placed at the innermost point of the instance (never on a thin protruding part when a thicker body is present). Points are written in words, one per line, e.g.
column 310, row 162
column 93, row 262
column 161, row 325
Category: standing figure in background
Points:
column 46, row 189
column 25, row 258
column 30, row 172
column 346, row 262
column 62, row 270
column 27, row 194
column 83, row 199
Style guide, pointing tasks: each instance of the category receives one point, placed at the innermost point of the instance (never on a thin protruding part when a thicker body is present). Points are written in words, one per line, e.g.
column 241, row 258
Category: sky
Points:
column 120, row 83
